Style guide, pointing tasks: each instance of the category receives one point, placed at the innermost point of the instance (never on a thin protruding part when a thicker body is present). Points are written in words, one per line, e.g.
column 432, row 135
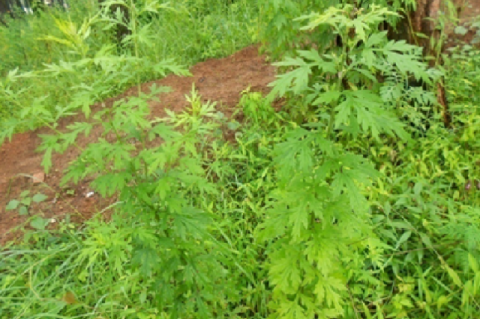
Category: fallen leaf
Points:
column 69, row 298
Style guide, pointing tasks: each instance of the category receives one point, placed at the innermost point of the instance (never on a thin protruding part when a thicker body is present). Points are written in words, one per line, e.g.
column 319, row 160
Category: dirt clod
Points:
column 38, row 178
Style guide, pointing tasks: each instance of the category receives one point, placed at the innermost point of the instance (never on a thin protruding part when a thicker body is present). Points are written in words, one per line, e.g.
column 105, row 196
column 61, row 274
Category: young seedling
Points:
column 22, row 205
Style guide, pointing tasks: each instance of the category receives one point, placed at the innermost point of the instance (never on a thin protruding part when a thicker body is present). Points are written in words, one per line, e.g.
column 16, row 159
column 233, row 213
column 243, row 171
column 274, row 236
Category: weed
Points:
column 337, row 206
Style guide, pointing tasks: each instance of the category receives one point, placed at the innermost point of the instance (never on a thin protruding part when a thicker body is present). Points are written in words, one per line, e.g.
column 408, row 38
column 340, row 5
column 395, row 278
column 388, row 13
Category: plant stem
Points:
column 343, row 59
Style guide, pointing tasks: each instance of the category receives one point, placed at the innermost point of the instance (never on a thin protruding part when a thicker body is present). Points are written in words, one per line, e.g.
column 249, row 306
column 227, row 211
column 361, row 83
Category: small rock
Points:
column 38, row 178
column 89, row 194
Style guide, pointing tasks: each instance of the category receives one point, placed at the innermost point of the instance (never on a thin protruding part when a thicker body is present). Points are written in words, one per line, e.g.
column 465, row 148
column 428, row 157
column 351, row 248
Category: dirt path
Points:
column 219, row 80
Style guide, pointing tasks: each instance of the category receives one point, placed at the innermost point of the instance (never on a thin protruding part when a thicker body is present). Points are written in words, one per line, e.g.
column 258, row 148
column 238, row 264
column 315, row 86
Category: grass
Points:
column 185, row 31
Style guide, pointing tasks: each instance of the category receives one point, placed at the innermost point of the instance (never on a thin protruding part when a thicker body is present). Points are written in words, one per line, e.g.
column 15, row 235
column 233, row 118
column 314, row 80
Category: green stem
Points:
column 343, row 60
column 133, row 21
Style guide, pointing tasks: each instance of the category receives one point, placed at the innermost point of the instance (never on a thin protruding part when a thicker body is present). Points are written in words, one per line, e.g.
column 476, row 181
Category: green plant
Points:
column 23, row 203
column 328, row 258
column 352, row 201
column 69, row 59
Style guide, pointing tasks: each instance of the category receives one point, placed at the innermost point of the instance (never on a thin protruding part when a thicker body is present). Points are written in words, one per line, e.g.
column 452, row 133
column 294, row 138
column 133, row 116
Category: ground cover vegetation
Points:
column 73, row 59
column 353, row 201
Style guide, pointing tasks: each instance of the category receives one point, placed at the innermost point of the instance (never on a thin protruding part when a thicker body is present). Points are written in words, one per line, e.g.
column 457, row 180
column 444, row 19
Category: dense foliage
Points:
column 73, row 60
column 353, row 201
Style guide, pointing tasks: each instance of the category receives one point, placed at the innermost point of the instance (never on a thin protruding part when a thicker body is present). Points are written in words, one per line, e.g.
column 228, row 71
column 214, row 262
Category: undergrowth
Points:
column 353, row 201
column 71, row 59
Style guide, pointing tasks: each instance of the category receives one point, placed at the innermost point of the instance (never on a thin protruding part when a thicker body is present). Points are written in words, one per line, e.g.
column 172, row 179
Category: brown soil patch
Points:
column 220, row 80
column 469, row 13
column 471, row 10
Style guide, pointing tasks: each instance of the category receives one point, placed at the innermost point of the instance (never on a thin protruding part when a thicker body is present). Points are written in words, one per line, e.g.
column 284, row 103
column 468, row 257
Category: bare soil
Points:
column 219, row 80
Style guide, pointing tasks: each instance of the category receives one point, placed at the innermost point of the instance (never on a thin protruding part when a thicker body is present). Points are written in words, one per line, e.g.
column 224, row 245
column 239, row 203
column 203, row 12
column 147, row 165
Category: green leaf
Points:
column 426, row 240
column 417, row 189
column 324, row 66
column 461, row 30
column 147, row 260
column 366, row 311
column 296, row 154
column 13, row 204
column 23, row 211
column 169, row 66
column 47, row 160
column 37, row 198
column 376, row 39
column 454, row 276
column 295, row 81
column 366, row 107
column 285, row 274
column 26, row 201
column 24, row 193
column 327, row 97
column 472, row 261
column 299, row 219
column 39, row 223
column 347, row 180
column 109, row 183
column 404, row 238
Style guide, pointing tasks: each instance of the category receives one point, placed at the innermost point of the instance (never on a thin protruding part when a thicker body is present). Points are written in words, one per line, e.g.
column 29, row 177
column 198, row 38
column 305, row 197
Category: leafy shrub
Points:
column 70, row 58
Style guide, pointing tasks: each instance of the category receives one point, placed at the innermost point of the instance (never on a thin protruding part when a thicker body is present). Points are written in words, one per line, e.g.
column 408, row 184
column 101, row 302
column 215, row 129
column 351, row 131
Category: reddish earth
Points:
column 471, row 10
column 220, row 80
